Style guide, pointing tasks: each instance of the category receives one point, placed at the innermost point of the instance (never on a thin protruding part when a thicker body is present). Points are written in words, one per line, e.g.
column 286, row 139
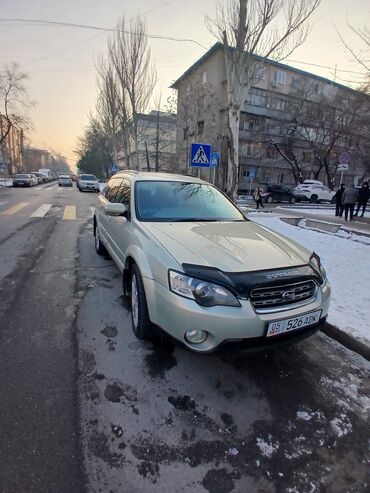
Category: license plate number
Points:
column 289, row 324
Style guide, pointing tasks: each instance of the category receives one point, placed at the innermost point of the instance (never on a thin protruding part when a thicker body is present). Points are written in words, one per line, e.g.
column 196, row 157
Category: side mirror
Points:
column 115, row 209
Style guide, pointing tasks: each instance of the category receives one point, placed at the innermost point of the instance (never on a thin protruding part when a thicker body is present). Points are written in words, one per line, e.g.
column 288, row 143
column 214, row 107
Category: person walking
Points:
column 363, row 198
column 349, row 198
column 258, row 197
column 338, row 200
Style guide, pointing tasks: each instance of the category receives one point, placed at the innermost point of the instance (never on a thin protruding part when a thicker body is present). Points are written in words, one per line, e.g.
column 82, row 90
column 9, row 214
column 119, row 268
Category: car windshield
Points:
column 22, row 176
column 168, row 201
column 64, row 177
column 88, row 178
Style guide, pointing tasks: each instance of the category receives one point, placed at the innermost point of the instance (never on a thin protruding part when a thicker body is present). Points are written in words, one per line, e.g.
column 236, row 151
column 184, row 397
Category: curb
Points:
column 347, row 340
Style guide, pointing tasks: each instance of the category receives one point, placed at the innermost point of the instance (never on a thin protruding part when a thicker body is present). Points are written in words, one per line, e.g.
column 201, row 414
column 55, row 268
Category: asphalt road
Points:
column 86, row 407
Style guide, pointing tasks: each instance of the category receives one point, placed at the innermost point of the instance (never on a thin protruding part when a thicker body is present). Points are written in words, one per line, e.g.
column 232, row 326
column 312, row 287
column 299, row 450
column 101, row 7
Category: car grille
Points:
column 277, row 298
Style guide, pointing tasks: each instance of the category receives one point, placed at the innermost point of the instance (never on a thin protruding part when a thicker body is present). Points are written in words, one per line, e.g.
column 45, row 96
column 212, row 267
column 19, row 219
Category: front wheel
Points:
column 99, row 247
column 141, row 324
column 269, row 199
column 292, row 200
column 313, row 199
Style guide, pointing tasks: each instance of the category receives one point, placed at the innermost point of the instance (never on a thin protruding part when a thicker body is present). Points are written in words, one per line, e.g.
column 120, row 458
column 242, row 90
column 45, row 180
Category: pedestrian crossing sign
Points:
column 200, row 155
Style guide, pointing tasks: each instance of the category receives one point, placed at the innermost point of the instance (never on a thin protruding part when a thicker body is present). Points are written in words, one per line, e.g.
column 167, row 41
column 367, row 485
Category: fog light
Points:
column 196, row 336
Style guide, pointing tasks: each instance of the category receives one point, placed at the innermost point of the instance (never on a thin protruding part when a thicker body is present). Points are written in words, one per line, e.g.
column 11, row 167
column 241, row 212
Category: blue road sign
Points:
column 215, row 159
column 114, row 168
column 3, row 166
column 200, row 155
column 251, row 173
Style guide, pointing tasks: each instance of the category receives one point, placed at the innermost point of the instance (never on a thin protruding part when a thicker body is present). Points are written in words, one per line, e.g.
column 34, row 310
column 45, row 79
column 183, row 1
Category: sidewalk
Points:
column 347, row 261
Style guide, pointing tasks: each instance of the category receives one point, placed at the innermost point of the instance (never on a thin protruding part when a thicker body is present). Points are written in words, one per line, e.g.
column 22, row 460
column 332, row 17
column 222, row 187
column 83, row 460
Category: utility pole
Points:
column 147, row 157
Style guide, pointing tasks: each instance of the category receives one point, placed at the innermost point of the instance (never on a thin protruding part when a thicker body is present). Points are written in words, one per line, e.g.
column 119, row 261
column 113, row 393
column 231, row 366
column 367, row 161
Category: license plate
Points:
column 289, row 324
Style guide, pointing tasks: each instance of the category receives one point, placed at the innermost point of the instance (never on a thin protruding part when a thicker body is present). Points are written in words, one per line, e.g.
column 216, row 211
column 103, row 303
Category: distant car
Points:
column 313, row 192
column 39, row 176
column 88, row 183
column 34, row 179
column 275, row 192
column 22, row 181
column 65, row 181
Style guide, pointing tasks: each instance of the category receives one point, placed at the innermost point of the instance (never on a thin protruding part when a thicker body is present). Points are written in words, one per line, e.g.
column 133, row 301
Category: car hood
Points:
column 228, row 246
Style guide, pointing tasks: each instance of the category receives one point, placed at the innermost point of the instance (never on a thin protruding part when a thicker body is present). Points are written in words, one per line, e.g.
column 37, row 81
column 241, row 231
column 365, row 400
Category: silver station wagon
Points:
column 196, row 268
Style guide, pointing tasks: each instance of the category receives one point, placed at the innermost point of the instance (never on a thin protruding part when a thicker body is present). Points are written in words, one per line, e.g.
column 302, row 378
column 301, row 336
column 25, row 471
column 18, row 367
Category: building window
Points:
column 201, row 128
column 271, row 152
column 260, row 72
column 306, row 156
column 204, row 77
column 186, row 133
column 250, row 149
column 281, row 178
column 278, row 103
column 257, row 97
column 251, row 123
column 279, row 78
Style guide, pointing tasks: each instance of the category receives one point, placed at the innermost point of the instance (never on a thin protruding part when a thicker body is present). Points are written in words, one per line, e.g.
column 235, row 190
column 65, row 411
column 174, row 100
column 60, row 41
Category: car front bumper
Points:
column 176, row 315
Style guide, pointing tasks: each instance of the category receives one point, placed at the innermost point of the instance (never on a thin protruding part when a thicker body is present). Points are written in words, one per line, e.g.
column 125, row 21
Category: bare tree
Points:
column 362, row 55
column 108, row 105
column 130, row 57
column 266, row 28
column 13, row 100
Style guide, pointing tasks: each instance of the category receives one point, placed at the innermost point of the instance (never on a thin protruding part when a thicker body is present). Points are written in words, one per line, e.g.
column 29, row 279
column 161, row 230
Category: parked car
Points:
column 195, row 267
column 313, row 191
column 88, row 183
column 64, row 181
column 275, row 192
column 40, row 178
column 22, row 180
column 34, row 179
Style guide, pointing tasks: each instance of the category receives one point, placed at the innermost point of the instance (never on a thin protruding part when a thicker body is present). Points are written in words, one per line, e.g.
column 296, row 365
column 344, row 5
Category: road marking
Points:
column 69, row 212
column 92, row 209
column 41, row 211
column 14, row 209
column 3, row 203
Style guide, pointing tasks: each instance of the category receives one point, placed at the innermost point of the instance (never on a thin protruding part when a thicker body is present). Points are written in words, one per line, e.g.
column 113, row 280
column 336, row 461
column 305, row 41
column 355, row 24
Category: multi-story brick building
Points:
column 288, row 112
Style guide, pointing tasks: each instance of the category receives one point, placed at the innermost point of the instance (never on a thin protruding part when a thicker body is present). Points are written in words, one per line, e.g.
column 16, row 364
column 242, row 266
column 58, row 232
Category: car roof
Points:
column 152, row 176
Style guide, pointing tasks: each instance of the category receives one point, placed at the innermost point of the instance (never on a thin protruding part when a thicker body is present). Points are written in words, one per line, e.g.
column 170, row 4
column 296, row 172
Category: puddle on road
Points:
column 161, row 359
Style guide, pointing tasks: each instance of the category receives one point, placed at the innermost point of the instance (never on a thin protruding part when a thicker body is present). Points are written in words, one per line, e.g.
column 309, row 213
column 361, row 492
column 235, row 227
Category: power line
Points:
column 40, row 22
column 325, row 66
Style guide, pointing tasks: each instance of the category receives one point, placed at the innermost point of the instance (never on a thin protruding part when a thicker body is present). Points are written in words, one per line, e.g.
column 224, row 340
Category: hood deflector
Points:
column 242, row 283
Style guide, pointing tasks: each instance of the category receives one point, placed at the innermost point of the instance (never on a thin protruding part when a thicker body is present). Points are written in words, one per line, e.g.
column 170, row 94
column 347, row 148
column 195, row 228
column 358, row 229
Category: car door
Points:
column 122, row 227
column 326, row 194
column 107, row 196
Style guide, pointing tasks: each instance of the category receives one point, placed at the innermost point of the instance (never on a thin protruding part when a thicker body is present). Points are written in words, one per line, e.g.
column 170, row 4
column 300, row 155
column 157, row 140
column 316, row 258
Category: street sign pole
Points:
column 341, row 177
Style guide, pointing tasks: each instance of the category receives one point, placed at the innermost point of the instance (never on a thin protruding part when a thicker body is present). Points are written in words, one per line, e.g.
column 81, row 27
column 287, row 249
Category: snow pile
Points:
column 7, row 182
column 267, row 448
column 347, row 264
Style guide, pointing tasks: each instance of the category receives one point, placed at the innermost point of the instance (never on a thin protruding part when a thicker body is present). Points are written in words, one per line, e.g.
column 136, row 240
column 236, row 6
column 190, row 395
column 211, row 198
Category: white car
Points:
column 65, row 181
column 88, row 183
column 194, row 266
column 314, row 191
column 34, row 180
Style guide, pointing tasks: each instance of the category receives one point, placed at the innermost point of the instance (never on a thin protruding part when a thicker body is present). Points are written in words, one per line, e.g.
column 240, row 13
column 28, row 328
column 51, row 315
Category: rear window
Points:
column 64, row 177
column 21, row 176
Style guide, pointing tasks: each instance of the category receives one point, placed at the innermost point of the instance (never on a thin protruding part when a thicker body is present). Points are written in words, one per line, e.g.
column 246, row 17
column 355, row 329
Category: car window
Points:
column 169, row 201
column 88, row 177
column 124, row 193
column 111, row 189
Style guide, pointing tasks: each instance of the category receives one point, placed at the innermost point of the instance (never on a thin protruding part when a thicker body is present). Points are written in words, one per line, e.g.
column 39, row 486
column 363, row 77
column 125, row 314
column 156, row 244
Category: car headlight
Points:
column 316, row 264
column 203, row 292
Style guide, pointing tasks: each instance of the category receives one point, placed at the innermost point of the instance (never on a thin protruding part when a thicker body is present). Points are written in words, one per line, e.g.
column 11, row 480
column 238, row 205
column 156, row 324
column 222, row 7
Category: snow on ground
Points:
column 347, row 264
column 7, row 182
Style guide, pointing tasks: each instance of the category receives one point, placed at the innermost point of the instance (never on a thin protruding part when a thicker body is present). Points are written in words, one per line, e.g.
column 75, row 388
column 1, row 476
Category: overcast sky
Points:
column 60, row 60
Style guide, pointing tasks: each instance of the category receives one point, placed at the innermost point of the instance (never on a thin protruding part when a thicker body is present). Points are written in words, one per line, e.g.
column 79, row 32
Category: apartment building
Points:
column 292, row 122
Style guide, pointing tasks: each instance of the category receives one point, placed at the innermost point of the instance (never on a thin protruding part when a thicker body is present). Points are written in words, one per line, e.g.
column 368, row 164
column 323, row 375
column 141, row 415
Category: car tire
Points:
column 313, row 199
column 141, row 324
column 269, row 200
column 99, row 247
column 292, row 200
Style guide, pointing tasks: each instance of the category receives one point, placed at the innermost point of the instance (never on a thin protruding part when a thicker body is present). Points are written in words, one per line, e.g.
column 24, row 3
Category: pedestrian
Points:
column 258, row 197
column 338, row 200
column 363, row 198
column 349, row 198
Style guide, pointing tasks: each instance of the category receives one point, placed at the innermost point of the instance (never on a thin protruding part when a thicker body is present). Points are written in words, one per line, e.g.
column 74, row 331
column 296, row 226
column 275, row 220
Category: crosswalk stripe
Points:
column 41, row 211
column 15, row 208
column 69, row 212
column 92, row 209
column 3, row 203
